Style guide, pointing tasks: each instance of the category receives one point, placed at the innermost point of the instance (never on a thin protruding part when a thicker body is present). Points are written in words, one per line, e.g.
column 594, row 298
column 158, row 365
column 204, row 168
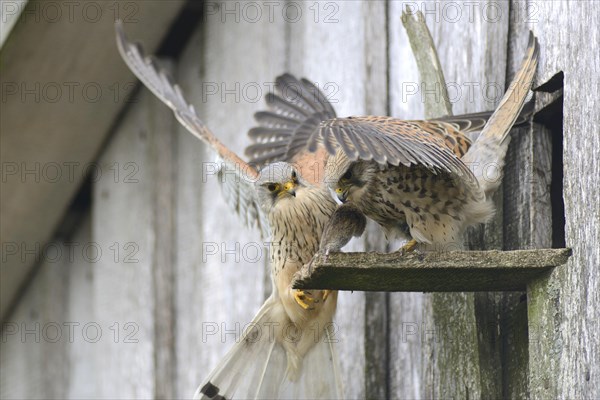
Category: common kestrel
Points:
column 293, row 328
column 286, row 194
column 424, row 180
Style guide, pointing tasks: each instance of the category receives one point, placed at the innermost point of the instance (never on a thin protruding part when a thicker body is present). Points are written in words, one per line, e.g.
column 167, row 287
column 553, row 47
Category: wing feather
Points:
column 239, row 192
column 390, row 140
column 273, row 120
column 269, row 133
column 284, row 107
column 296, row 107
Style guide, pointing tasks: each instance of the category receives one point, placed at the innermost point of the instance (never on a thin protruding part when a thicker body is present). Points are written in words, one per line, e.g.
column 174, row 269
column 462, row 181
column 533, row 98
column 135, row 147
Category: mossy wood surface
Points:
column 454, row 271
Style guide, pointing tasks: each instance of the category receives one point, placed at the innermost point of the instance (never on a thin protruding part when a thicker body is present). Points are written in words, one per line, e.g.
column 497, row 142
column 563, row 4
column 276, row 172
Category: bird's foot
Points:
column 304, row 299
column 326, row 294
column 408, row 247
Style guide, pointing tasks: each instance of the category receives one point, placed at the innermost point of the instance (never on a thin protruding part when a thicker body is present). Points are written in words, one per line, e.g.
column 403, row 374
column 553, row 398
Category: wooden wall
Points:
column 178, row 274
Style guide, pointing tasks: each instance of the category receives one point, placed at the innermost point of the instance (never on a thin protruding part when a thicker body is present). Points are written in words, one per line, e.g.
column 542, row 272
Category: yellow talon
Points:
column 304, row 299
column 408, row 247
column 326, row 294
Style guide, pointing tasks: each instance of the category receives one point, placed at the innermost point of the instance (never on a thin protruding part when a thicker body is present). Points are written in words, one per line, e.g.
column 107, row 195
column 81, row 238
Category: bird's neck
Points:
column 297, row 226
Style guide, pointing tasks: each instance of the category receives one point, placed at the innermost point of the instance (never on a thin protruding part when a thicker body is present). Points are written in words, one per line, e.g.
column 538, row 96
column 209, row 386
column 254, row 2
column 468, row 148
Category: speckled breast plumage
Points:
column 416, row 202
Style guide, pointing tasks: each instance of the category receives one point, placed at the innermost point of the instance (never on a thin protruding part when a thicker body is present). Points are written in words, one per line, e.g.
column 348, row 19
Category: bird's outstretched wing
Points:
column 236, row 176
column 300, row 118
column 389, row 140
column 296, row 108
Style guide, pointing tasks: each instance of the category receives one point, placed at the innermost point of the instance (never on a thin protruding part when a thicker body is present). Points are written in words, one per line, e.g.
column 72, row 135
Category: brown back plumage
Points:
column 301, row 119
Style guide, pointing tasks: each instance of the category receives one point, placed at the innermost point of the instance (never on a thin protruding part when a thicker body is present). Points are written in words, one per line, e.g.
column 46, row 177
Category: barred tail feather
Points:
column 486, row 156
column 256, row 366
column 295, row 109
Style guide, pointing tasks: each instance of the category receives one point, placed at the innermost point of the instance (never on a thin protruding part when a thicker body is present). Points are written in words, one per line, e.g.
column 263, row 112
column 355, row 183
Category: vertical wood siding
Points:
column 198, row 276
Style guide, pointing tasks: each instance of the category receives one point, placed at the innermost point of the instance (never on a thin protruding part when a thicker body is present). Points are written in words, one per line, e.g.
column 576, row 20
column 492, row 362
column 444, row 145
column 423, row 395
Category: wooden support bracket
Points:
column 453, row 271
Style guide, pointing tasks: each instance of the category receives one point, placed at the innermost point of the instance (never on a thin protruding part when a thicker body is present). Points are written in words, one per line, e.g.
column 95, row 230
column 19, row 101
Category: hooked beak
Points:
column 341, row 194
column 290, row 187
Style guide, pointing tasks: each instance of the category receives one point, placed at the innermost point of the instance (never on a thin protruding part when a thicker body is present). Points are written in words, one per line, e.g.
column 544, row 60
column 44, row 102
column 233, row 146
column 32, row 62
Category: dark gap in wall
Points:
column 74, row 215
column 551, row 117
column 80, row 205
column 555, row 84
column 181, row 30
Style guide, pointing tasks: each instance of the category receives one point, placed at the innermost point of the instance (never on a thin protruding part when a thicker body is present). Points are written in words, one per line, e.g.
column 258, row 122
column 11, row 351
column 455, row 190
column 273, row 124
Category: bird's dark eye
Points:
column 347, row 175
column 272, row 187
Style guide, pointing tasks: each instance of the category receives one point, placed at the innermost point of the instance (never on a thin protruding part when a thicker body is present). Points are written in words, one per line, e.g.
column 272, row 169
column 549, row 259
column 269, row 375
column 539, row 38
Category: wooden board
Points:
column 48, row 344
column 453, row 271
column 134, row 271
column 563, row 312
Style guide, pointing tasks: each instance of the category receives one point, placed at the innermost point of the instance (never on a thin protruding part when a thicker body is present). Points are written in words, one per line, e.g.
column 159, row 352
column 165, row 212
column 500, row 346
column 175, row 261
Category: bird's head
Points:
column 352, row 183
column 278, row 183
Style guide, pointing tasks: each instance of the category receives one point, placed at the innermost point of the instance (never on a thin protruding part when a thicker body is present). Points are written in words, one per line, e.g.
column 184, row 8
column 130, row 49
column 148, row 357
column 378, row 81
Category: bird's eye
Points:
column 347, row 175
column 272, row 187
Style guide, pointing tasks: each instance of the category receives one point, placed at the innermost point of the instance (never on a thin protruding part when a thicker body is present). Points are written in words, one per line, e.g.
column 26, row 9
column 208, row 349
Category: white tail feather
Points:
column 255, row 368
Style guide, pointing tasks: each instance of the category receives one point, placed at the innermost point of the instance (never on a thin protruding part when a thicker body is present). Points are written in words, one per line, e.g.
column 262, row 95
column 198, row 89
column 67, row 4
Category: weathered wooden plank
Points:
column 226, row 70
column 452, row 271
column 527, row 223
column 564, row 317
column 376, row 323
column 132, row 206
column 63, row 83
column 162, row 199
column 43, row 347
column 81, row 353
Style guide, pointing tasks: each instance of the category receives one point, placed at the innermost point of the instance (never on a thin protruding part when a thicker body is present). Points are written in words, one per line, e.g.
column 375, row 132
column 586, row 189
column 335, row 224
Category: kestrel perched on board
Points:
column 425, row 180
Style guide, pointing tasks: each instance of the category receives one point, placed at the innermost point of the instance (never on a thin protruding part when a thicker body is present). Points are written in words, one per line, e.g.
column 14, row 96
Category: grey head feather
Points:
column 278, row 173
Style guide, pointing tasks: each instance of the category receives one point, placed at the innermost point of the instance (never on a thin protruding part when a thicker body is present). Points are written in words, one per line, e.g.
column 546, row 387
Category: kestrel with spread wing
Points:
column 421, row 180
column 293, row 328
column 424, row 179
column 288, row 196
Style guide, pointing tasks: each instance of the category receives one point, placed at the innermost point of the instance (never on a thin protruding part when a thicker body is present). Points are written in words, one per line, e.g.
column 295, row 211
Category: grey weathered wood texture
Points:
column 133, row 282
column 44, row 350
column 453, row 271
column 539, row 344
column 63, row 84
column 563, row 314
